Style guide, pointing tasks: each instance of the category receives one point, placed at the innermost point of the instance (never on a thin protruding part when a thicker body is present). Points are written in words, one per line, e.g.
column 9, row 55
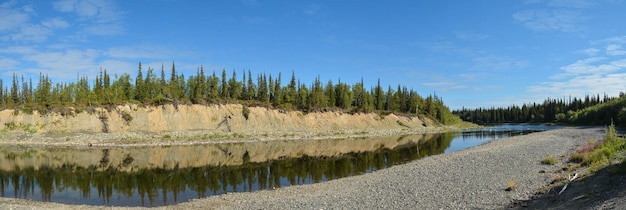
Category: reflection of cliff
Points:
column 214, row 118
column 161, row 186
column 169, row 157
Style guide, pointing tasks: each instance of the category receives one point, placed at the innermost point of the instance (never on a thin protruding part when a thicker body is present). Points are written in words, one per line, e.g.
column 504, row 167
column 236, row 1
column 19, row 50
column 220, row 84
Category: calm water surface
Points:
column 157, row 176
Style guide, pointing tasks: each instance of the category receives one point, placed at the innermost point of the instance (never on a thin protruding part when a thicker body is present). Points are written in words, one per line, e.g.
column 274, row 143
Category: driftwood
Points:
column 570, row 179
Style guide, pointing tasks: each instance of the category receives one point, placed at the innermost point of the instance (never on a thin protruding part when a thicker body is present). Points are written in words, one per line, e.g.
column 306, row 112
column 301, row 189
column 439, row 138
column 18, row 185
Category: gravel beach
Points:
column 476, row 178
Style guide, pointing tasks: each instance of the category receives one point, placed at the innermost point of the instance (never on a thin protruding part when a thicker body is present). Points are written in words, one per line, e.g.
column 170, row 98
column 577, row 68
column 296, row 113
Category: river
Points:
column 166, row 175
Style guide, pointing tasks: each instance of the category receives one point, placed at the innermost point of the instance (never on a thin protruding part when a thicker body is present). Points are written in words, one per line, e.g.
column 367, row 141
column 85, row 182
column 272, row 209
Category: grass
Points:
column 550, row 160
column 598, row 154
column 11, row 126
column 511, row 185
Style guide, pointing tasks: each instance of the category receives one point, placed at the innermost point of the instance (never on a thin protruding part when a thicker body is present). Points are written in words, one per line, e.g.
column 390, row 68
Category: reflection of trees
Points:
column 152, row 187
column 45, row 182
column 436, row 145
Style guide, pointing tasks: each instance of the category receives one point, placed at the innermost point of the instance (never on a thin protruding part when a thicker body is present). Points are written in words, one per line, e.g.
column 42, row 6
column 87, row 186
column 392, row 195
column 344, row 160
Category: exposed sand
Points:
column 132, row 125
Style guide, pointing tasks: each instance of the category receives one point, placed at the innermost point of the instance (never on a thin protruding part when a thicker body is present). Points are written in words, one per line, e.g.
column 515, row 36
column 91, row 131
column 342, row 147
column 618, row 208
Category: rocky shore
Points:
column 501, row 174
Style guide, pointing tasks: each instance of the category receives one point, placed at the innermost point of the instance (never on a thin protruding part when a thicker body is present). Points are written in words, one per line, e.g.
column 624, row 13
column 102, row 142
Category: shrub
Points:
column 105, row 122
column 550, row 160
column 599, row 154
column 577, row 157
column 511, row 185
column 127, row 117
column 246, row 112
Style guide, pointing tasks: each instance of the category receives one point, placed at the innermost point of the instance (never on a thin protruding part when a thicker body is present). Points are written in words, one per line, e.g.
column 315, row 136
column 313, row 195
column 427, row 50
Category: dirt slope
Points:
column 227, row 118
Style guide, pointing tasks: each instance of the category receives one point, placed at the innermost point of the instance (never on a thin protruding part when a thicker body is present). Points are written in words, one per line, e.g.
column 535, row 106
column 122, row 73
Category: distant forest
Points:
column 592, row 109
column 152, row 88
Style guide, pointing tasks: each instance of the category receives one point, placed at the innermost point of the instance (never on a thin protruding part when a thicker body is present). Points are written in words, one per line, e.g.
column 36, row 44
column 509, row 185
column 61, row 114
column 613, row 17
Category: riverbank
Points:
column 479, row 177
column 132, row 125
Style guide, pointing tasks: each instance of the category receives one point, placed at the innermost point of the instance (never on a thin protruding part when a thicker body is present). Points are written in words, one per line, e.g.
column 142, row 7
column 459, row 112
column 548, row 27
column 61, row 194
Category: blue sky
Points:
column 471, row 53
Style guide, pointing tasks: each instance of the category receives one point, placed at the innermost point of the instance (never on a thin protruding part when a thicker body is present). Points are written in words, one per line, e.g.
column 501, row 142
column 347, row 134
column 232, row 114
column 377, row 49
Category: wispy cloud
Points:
column 445, row 86
column 448, row 47
column 55, row 23
column 65, row 62
column 11, row 17
column 592, row 66
column 313, row 9
column 36, row 32
column 471, row 36
column 579, row 86
column 544, row 20
column 554, row 15
column 595, row 74
column 613, row 46
column 257, row 20
column 137, row 52
column 589, row 51
column 615, row 49
column 8, row 63
column 99, row 17
column 571, row 3
column 31, row 32
column 497, row 63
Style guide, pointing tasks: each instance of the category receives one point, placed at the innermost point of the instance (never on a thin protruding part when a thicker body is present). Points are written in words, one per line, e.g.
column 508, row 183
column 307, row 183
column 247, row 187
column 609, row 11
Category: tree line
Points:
column 551, row 110
column 149, row 87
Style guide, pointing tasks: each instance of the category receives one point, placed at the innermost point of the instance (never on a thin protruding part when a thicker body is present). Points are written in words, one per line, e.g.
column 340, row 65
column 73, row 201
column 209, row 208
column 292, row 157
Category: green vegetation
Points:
column 245, row 112
column 511, row 185
column 611, row 111
column 590, row 110
column 11, row 126
column 149, row 88
column 599, row 154
column 550, row 160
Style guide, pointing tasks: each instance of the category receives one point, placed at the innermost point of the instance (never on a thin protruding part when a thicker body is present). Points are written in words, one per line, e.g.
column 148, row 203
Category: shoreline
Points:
column 129, row 139
column 473, row 178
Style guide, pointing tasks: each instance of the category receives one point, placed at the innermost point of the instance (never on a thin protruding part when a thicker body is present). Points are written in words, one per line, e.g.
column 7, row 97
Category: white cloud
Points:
column 257, row 20
column 445, row 86
column 117, row 67
column 15, row 22
column 65, row 64
column 11, row 18
column 497, row 63
column 18, row 50
column 592, row 75
column 31, row 32
column 579, row 86
column 589, row 51
column 448, row 47
column 615, row 49
column 533, row 1
column 615, row 39
column 55, row 23
column 101, row 17
column 471, row 36
column 136, row 52
column 590, row 66
column 550, row 20
column 8, row 64
column 313, row 9
column 571, row 3
column 105, row 29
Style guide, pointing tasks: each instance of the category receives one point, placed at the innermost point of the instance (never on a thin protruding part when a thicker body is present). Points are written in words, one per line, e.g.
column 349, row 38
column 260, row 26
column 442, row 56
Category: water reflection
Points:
column 156, row 176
